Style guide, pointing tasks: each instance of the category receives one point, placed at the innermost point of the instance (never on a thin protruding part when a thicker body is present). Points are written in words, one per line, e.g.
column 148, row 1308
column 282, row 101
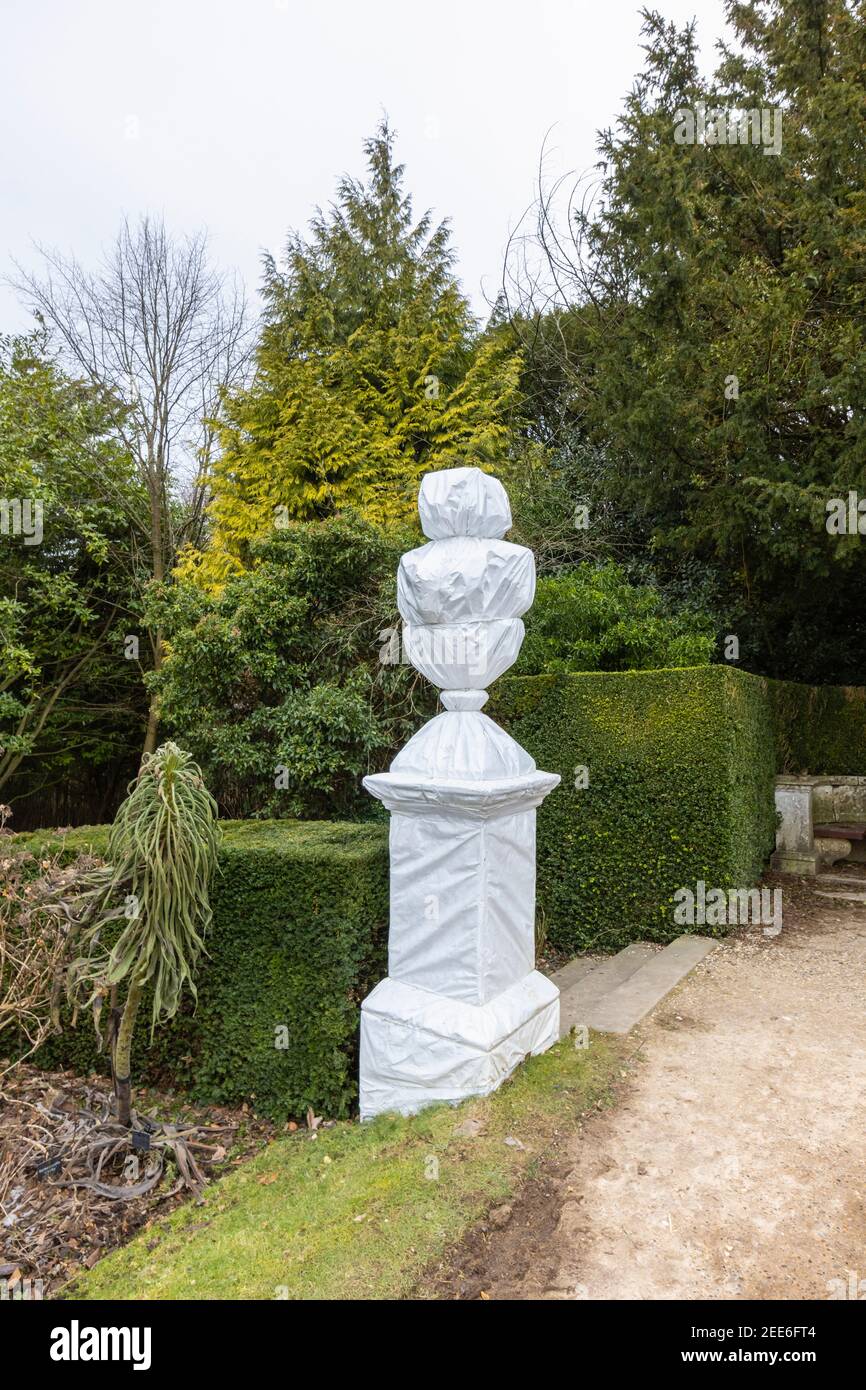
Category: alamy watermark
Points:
column 851, row 1288
column 77, row 1343
column 719, row 125
column 21, row 1290
column 465, row 646
column 719, row 907
column 21, row 516
column 846, row 516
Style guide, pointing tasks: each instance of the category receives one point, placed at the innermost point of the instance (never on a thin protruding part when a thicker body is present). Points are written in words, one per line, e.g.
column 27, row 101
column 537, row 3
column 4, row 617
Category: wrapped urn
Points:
column 463, row 1003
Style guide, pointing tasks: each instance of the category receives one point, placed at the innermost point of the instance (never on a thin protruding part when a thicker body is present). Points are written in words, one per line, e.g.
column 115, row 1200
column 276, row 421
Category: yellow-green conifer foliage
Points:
column 370, row 371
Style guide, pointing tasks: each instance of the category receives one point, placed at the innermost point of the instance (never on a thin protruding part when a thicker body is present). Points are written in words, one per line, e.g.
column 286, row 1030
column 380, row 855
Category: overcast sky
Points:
column 239, row 115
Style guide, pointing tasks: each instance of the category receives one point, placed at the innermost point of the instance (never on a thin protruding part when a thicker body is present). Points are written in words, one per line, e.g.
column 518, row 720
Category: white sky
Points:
column 239, row 115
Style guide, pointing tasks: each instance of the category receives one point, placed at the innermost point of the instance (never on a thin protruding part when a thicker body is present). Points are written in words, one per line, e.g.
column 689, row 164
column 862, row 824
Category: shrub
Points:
column 275, row 683
column 680, row 767
column 592, row 618
column 151, row 899
column 298, row 938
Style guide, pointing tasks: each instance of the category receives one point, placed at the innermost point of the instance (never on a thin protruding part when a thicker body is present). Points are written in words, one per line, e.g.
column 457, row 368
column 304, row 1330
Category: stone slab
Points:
column 575, row 970
column 621, row 1008
column 578, row 997
column 838, row 896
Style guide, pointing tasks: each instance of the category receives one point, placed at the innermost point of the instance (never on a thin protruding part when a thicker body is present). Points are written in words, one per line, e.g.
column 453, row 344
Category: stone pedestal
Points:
column 462, row 1004
column 795, row 841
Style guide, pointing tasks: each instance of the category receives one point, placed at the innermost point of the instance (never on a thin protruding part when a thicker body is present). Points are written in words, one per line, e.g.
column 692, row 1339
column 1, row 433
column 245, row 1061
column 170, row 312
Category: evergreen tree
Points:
column 718, row 318
column 370, row 371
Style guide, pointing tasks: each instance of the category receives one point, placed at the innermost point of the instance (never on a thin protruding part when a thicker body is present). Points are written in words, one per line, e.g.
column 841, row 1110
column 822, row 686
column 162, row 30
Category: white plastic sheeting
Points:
column 418, row 1047
column 465, row 943
column 463, row 502
column 468, row 744
column 465, row 578
column 462, row 1004
column 463, row 656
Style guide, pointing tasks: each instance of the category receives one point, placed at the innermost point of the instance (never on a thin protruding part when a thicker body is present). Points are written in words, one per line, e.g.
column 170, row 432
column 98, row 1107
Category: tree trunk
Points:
column 122, row 1056
column 152, row 727
column 157, row 480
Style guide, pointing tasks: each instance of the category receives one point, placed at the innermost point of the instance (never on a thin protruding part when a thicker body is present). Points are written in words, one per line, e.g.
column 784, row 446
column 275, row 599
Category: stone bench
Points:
column 822, row 820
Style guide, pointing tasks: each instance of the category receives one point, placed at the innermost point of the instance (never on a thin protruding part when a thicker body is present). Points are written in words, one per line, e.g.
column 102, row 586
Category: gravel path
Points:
column 734, row 1164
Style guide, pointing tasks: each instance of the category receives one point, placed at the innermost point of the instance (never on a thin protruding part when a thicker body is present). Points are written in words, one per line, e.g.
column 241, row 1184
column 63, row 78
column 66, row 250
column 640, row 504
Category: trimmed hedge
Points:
column 299, row 937
column 681, row 769
column 681, row 766
column 819, row 729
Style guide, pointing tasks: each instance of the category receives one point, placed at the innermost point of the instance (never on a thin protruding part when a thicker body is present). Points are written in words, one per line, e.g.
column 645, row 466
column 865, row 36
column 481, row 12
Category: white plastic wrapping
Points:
column 466, row 746
column 474, row 938
column 409, row 794
column 465, row 578
column 462, row 1004
column 463, row 656
column 418, row 1047
column 463, row 502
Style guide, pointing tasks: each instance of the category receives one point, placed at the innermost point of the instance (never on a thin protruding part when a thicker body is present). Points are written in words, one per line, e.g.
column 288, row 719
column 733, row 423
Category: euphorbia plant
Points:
column 161, row 855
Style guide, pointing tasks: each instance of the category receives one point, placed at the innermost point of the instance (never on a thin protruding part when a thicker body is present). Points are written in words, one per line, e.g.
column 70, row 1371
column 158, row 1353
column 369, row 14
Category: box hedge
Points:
column 680, row 766
column 819, row 729
column 299, row 936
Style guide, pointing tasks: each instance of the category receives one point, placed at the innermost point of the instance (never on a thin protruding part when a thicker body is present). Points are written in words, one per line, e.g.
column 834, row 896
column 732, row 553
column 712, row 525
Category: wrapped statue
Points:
column 462, row 1004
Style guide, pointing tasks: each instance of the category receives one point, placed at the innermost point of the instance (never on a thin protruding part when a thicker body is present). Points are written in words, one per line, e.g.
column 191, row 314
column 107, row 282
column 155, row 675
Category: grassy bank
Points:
column 361, row 1210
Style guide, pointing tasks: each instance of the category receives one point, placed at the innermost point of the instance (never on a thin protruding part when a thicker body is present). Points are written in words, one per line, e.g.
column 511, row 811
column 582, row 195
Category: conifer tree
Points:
column 717, row 309
column 370, row 370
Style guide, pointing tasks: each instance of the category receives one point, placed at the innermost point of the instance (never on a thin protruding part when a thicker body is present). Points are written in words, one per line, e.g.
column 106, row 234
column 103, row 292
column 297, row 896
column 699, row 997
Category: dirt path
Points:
column 734, row 1163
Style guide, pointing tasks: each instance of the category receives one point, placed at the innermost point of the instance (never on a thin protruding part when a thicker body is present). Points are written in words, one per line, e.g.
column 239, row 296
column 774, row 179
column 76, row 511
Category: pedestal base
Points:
column 801, row 863
column 419, row 1048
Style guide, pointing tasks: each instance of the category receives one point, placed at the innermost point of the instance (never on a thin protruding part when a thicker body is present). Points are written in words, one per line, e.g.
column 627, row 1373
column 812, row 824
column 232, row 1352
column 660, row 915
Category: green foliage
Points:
column 591, row 618
column 161, row 855
column 819, row 729
column 66, row 693
column 545, row 489
column 276, row 683
column 712, row 338
column 298, row 938
column 681, row 767
column 370, row 370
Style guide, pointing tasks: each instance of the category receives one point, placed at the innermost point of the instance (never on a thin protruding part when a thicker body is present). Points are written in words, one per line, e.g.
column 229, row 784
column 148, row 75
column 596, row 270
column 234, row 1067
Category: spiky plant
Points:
column 161, row 855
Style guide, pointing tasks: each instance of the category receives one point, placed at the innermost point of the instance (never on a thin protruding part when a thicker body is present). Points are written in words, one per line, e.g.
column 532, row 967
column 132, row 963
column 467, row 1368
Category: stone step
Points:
column 619, row 1009
column 841, row 880
column 581, row 989
column 575, row 970
column 838, row 896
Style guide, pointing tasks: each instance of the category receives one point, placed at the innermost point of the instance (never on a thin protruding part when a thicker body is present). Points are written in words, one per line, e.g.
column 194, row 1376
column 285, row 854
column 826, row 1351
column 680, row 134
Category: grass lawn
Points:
column 359, row 1211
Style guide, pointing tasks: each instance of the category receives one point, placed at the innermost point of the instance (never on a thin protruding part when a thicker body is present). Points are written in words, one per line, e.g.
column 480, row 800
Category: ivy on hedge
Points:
column 681, row 767
column 299, row 936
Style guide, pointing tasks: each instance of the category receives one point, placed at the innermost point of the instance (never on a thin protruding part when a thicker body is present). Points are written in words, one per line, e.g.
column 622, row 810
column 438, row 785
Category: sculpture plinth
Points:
column 462, row 1004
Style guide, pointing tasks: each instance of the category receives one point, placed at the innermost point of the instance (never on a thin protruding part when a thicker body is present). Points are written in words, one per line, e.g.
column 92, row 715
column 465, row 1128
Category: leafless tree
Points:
column 558, row 259
column 162, row 333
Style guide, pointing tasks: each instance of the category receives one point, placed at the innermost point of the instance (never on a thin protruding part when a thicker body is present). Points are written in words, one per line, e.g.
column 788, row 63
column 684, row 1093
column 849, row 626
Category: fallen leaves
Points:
column 70, row 1188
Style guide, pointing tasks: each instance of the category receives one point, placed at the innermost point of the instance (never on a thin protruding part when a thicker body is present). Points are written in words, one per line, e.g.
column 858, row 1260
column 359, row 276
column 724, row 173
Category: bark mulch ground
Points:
column 74, row 1185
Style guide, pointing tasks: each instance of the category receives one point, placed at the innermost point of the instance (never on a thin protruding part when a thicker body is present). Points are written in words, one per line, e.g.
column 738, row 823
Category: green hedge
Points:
column 819, row 729
column 681, row 768
column 298, row 938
